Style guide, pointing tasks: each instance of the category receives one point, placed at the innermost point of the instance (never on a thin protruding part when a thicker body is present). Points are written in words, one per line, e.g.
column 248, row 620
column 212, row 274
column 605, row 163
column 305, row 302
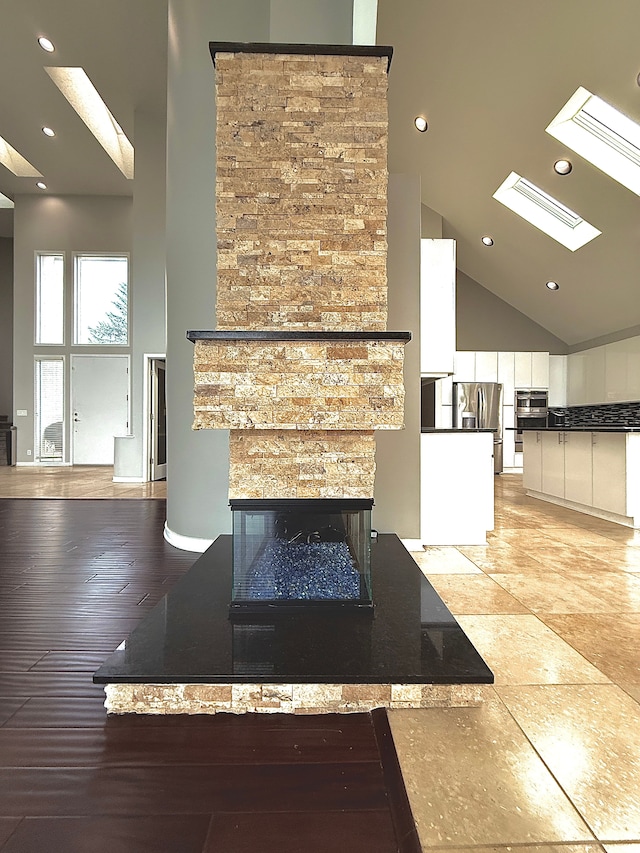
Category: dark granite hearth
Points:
column 188, row 637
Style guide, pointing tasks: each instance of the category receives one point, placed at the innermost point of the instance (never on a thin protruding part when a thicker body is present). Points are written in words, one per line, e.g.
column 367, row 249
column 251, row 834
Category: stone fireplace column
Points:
column 301, row 368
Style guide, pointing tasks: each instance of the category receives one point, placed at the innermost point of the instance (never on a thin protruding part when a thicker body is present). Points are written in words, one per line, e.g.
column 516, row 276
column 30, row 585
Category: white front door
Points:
column 100, row 401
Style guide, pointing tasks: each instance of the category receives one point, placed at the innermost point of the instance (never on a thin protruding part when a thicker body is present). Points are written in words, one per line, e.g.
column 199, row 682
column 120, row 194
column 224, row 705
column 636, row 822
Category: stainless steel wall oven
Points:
column 531, row 410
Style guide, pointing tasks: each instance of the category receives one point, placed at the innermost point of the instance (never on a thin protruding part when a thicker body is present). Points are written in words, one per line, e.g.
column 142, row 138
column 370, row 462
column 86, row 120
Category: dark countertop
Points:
column 622, row 429
column 411, row 637
column 454, row 429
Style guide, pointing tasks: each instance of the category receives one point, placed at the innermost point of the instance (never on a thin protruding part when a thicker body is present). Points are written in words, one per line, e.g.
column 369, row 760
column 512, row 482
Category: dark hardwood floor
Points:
column 75, row 577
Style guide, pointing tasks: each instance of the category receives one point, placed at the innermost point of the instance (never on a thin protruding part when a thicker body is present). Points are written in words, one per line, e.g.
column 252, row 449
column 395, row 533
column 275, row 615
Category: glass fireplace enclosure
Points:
column 300, row 553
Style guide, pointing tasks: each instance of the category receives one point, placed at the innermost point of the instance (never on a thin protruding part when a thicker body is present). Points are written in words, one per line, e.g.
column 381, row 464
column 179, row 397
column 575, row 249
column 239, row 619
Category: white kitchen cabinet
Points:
column 486, row 366
column 506, row 376
column 615, row 371
column 594, row 472
column 622, row 370
column 437, row 306
column 532, row 473
column 609, row 472
column 633, row 368
column 578, row 468
column 595, row 375
column 464, row 366
column 557, row 380
column 576, row 379
column 539, row 369
column 522, row 370
column 553, row 464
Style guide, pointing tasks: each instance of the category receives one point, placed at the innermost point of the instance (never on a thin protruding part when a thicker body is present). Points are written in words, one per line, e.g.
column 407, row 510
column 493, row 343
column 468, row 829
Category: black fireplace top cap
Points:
column 294, row 335
column 301, row 49
column 300, row 504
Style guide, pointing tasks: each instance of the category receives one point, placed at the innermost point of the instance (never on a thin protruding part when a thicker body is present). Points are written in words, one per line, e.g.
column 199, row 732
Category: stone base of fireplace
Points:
column 187, row 656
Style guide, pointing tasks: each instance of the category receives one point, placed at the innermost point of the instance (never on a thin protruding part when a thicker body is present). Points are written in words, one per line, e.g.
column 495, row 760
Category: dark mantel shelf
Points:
column 294, row 335
column 591, row 428
column 300, row 49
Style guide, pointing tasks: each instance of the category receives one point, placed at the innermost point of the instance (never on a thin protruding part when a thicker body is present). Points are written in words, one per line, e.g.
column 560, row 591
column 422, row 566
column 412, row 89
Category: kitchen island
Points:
column 591, row 469
column 456, row 486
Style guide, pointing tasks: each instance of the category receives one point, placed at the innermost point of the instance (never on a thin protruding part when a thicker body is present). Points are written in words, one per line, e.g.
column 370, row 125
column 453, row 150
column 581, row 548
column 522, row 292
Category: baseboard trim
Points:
column 186, row 543
column 129, row 480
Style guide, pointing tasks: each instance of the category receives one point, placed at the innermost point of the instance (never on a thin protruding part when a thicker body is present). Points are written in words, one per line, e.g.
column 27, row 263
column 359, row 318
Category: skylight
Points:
column 5, row 202
column 15, row 162
column 545, row 212
column 602, row 135
column 85, row 99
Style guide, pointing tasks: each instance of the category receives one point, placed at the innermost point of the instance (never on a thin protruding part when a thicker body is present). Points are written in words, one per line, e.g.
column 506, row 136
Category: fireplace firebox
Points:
column 294, row 553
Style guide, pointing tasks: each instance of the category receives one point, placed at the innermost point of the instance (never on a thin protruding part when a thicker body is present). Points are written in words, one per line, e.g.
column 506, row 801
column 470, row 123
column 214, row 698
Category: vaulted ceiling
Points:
column 489, row 77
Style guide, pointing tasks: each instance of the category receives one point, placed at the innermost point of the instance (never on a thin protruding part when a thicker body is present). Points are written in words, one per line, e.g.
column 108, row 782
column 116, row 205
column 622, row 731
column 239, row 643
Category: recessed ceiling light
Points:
column 15, row 162
column 85, row 99
column 602, row 135
column 545, row 212
column 45, row 44
column 562, row 166
column 487, row 240
column 48, row 131
column 420, row 123
column 41, row 185
column 553, row 285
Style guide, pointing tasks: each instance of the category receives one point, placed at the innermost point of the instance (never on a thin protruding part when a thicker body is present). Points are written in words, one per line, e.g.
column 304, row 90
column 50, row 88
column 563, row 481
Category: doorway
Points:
column 157, row 419
column 100, row 406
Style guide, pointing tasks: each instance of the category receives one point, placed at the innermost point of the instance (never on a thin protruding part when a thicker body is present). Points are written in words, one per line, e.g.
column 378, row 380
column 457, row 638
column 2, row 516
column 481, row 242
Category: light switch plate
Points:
column 21, row 413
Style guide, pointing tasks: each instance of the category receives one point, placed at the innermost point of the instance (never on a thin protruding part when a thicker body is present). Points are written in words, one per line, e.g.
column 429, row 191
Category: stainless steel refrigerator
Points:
column 478, row 405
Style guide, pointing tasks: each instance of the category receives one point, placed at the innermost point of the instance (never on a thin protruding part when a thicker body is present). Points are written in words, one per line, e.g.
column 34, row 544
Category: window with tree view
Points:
column 101, row 299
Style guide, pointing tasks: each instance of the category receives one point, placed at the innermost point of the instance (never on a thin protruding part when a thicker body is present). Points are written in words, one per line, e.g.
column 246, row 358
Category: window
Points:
column 49, row 409
column 49, row 298
column 101, row 299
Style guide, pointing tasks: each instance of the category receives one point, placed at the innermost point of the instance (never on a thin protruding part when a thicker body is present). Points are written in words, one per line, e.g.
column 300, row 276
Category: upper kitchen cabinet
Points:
column 622, row 370
column 605, row 374
column 557, row 380
column 486, row 366
column 437, row 307
column 586, row 377
column 506, row 376
column 464, row 366
column 531, row 370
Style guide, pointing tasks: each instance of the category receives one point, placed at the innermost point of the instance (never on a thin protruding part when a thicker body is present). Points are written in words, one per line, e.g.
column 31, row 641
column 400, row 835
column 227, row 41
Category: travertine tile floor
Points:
column 78, row 481
column 551, row 761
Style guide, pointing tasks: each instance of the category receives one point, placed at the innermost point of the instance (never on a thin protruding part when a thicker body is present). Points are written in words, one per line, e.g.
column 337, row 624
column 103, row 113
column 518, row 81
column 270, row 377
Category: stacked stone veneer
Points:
column 301, row 207
column 286, row 698
column 301, row 191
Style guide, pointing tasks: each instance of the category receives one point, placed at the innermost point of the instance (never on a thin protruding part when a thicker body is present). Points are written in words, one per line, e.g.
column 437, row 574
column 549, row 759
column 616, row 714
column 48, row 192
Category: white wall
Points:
column 486, row 322
column 6, row 326
column 58, row 224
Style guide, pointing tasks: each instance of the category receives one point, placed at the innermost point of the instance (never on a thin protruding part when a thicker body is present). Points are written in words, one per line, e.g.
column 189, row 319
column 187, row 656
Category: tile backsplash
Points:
column 605, row 414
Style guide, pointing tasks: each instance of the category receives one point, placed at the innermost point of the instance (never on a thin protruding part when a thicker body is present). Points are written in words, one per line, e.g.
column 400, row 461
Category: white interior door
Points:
column 100, row 400
column 158, row 420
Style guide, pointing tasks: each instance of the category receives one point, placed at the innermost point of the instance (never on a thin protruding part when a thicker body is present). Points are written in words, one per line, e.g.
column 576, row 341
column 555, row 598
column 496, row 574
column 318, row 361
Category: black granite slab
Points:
column 592, row 428
column 294, row 335
column 300, row 49
column 409, row 637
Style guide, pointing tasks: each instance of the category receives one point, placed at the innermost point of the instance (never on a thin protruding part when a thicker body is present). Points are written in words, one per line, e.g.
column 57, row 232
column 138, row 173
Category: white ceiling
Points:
column 488, row 76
